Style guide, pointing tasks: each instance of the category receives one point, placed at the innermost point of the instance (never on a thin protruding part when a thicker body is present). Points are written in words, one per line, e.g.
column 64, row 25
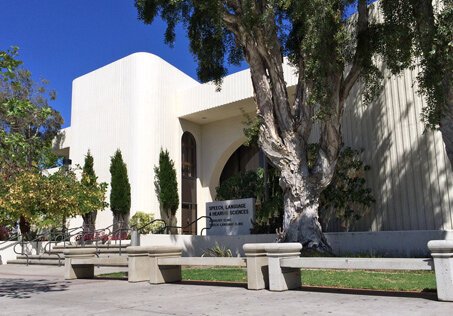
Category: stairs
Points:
column 56, row 256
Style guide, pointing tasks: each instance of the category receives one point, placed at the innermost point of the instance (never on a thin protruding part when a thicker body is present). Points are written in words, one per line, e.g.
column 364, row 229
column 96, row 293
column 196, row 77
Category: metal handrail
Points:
column 147, row 224
column 201, row 217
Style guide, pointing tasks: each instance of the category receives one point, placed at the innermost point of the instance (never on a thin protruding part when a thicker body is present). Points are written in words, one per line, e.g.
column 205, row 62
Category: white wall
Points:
column 130, row 105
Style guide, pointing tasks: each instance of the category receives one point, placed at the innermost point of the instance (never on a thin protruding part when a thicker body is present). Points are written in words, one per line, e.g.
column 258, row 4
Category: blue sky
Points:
column 60, row 40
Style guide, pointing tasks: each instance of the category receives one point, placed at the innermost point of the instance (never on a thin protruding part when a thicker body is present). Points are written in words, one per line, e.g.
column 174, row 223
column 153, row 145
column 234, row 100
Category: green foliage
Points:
column 414, row 34
column 140, row 220
column 89, row 180
column 47, row 200
column 217, row 251
column 251, row 184
column 347, row 197
column 166, row 184
column 89, row 177
column 251, row 129
column 27, row 123
column 241, row 186
column 120, row 192
column 312, row 31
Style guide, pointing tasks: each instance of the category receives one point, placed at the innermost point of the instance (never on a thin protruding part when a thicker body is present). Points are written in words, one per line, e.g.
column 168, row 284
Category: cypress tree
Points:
column 89, row 179
column 120, row 193
column 166, row 186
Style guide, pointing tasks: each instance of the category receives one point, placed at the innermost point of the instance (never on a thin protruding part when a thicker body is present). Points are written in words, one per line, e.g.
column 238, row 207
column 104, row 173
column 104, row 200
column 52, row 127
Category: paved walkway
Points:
column 38, row 290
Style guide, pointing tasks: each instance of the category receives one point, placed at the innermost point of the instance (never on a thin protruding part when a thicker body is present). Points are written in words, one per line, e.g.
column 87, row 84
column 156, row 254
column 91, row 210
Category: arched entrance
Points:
column 245, row 158
column 188, row 183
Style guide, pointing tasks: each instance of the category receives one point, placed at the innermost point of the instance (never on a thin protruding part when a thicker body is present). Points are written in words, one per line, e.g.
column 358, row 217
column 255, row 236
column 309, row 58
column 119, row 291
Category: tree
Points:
column 120, row 191
column 27, row 123
column 329, row 54
column 89, row 180
column 48, row 200
column 166, row 187
column 419, row 33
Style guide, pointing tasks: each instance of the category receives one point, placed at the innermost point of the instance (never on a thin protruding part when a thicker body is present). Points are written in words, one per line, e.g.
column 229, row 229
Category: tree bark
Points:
column 301, row 222
column 89, row 222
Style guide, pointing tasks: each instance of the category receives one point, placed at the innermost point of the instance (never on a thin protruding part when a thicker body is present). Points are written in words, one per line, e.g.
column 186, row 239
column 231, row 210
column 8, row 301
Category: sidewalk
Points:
column 38, row 290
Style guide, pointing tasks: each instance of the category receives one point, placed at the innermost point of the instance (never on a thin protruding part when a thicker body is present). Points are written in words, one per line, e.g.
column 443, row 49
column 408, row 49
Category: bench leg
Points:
column 282, row 279
column 257, row 273
column 138, row 268
column 257, row 266
column 163, row 274
column 80, row 271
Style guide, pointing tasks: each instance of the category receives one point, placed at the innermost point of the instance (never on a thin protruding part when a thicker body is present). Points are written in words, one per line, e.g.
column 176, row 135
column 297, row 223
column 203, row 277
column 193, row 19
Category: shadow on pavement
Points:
column 21, row 288
column 430, row 295
column 214, row 283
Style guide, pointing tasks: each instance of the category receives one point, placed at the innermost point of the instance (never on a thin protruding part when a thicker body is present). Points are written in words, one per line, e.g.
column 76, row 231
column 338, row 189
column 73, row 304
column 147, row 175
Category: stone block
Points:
column 138, row 264
column 282, row 279
column 442, row 253
column 257, row 266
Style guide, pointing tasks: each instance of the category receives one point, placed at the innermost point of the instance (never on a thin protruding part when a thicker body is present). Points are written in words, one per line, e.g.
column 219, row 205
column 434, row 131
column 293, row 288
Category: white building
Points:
column 141, row 104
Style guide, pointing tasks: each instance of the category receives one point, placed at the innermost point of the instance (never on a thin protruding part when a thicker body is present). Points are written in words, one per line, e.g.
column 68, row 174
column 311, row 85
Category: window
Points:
column 189, row 184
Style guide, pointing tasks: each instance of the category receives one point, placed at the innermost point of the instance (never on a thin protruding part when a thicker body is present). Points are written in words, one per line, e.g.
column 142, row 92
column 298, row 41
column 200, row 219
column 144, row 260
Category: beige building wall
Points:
column 411, row 176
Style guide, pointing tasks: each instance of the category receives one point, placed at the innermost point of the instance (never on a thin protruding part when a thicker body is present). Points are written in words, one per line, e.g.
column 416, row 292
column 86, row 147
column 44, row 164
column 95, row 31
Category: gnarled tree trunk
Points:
column 287, row 125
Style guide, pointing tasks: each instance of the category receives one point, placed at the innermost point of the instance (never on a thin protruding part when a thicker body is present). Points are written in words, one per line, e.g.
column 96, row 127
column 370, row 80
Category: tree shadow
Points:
column 425, row 294
column 21, row 288
column 410, row 175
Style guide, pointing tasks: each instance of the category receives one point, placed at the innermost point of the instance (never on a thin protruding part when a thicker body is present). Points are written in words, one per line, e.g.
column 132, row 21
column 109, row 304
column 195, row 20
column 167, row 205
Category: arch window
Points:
column 189, row 184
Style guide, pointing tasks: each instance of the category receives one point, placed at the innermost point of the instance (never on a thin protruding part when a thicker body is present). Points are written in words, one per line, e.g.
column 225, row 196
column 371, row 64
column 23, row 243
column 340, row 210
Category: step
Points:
column 100, row 250
column 47, row 262
column 100, row 246
column 41, row 257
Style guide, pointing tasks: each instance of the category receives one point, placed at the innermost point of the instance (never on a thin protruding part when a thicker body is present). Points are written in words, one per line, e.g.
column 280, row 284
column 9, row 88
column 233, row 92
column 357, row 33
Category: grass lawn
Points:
column 387, row 281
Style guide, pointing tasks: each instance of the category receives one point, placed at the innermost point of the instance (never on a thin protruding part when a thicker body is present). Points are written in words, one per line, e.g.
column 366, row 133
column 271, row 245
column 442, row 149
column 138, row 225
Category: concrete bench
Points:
column 162, row 264
column 80, row 262
column 285, row 264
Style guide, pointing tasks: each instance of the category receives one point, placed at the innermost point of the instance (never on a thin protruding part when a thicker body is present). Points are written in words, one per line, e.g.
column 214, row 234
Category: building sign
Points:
column 231, row 217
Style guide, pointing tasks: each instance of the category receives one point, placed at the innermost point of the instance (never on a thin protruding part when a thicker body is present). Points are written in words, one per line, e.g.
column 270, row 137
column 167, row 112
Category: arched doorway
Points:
column 188, row 183
column 245, row 158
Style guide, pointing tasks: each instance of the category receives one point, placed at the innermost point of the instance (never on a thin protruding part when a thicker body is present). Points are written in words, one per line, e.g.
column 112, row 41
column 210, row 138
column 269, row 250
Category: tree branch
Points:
column 356, row 69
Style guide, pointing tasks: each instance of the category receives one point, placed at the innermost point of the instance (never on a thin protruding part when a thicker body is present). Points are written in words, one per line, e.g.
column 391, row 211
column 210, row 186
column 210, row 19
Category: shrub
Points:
column 217, row 251
column 140, row 219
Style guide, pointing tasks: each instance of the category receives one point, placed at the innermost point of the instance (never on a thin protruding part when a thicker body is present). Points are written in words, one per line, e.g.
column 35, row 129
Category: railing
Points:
column 121, row 233
column 193, row 222
column 96, row 236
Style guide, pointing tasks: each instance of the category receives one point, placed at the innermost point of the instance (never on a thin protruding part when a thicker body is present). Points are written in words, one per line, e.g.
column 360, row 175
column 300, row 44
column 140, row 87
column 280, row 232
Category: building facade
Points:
column 140, row 104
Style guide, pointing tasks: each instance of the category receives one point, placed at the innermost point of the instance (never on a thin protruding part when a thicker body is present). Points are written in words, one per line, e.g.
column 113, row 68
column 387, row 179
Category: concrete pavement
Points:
column 39, row 290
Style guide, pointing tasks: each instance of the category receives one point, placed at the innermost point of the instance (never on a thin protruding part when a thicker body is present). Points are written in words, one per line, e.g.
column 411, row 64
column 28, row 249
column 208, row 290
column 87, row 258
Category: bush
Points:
column 217, row 251
column 4, row 233
column 140, row 219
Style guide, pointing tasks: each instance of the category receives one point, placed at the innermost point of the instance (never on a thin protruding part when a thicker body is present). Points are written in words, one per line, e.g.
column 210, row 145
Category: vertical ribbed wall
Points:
column 410, row 174
column 129, row 105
